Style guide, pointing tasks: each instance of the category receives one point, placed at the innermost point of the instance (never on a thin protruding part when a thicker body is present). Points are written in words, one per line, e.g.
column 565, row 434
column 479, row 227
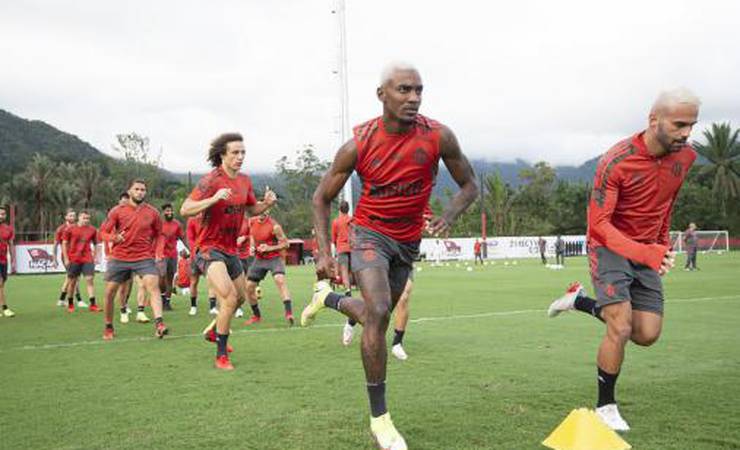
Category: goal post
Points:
column 706, row 240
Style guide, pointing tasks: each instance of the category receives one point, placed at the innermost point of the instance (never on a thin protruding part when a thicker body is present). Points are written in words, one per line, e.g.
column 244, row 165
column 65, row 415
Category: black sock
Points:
column 398, row 337
column 212, row 302
column 607, row 382
column 140, row 308
column 348, row 293
column 62, row 296
column 376, row 393
column 71, row 302
column 92, row 301
column 157, row 320
column 588, row 305
column 193, row 301
column 123, row 310
column 109, row 326
column 5, row 307
column 288, row 306
column 256, row 310
column 78, row 296
column 332, row 300
column 351, row 322
column 165, row 300
column 221, row 341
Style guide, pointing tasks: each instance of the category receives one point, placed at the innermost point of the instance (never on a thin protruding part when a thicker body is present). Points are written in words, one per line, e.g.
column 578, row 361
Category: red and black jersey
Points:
column 171, row 232
column 7, row 234
column 78, row 239
column 340, row 232
column 244, row 250
column 397, row 173
column 58, row 235
column 633, row 194
column 192, row 231
column 263, row 232
column 141, row 227
column 223, row 220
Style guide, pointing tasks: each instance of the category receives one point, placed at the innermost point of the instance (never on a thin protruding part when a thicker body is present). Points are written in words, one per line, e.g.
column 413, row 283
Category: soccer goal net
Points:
column 706, row 241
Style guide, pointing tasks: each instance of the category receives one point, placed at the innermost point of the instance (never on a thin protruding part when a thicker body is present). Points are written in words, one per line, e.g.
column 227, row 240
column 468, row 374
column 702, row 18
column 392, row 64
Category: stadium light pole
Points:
column 344, row 134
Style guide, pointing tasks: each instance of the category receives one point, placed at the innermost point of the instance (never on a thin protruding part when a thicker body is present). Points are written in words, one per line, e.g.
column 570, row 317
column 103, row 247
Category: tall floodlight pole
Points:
column 344, row 131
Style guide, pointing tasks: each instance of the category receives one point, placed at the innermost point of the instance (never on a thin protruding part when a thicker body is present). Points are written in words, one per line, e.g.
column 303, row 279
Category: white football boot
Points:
column 567, row 301
column 609, row 414
column 193, row 311
column 347, row 334
column 385, row 433
column 398, row 351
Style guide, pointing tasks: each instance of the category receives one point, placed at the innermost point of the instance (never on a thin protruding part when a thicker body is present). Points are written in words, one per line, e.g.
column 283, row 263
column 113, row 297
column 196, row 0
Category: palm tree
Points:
column 89, row 180
column 722, row 151
column 40, row 174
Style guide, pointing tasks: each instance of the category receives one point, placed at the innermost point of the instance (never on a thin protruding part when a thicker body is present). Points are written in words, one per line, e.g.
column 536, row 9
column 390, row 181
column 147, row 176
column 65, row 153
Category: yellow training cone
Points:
column 584, row 430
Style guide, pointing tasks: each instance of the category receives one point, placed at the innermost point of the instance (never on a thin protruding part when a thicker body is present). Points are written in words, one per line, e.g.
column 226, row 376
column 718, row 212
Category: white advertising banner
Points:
column 499, row 247
column 39, row 258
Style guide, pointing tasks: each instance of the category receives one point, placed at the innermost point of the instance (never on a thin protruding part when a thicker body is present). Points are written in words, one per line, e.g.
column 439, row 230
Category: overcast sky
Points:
column 537, row 80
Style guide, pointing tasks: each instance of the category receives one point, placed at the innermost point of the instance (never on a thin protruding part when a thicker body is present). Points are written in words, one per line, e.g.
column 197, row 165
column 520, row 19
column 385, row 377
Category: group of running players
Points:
column 397, row 156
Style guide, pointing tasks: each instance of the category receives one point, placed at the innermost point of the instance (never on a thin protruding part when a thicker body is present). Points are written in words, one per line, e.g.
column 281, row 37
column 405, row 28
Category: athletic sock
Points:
column 140, row 308
column 288, row 306
column 348, row 293
column 157, row 321
column 221, row 341
column 588, row 305
column 109, row 326
column 123, row 310
column 78, row 296
column 92, row 301
column 212, row 302
column 376, row 393
column 193, row 301
column 256, row 310
column 332, row 300
column 5, row 307
column 351, row 322
column 398, row 337
column 607, row 382
column 71, row 302
column 165, row 300
column 62, row 296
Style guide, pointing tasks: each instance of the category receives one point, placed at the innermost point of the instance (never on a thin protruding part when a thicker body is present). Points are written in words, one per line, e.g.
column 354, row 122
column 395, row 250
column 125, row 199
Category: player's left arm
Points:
column 11, row 248
column 157, row 237
column 462, row 173
column 281, row 237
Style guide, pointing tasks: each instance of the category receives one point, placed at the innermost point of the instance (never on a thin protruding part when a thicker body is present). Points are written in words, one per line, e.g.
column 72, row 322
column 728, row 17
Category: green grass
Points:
column 485, row 381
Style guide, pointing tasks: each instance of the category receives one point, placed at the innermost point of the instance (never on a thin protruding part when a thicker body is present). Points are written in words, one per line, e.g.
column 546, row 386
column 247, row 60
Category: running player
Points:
column 223, row 195
column 70, row 218
column 7, row 249
column 268, row 240
column 192, row 230
column 629, row 216
column 171, row 232
column 397, row 156
column 79, row 248
column 135, row 232
column 340, row 228
column 244, row 249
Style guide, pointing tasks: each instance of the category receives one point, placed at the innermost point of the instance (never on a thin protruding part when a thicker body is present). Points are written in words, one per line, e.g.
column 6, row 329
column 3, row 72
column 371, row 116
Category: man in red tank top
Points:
column 70, row 218
column 396, row 156
column 629, row 218
column 134, row 231
column 167, row 261
column 7, row 235
column 268, row 241
column 79, row 248
column 340, row 230
column 224, row 196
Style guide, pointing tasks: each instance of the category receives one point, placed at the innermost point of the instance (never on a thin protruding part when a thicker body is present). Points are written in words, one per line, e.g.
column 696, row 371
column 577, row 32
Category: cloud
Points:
column 555, row 81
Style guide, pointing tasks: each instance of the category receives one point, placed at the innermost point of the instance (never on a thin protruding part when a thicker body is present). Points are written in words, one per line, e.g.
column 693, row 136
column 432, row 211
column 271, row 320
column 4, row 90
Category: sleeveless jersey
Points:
column 398, row 172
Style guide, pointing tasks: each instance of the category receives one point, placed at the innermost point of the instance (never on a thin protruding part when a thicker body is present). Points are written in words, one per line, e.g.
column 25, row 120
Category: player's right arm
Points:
column 329, row 186
column 600, row 210
column 195, row 204
column 65, row 247
column 109, row 230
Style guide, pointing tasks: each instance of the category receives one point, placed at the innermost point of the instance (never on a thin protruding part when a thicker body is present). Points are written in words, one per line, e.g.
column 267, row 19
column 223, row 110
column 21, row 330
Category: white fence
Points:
column 39, row 258
column 499, row 247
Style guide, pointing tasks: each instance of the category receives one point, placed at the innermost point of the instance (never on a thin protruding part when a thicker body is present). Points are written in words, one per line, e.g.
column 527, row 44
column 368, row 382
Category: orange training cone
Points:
column 584, row 430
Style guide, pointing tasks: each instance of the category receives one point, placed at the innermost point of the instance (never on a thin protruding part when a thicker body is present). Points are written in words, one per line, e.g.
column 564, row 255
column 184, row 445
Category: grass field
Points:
column 487, row 370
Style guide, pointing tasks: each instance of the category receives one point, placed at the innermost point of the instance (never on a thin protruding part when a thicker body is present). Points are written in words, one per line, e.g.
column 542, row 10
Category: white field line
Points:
column 333, row 325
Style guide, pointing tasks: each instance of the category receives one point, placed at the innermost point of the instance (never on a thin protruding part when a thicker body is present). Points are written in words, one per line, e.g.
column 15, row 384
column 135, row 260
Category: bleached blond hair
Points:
column 676, row 96
column 390, row 68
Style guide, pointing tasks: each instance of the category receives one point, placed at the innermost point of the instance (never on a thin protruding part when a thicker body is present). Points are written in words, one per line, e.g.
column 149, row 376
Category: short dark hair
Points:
column 218, row 147
column 84, row 211
column 135, row 181
column 166, row 205
column 344, row 206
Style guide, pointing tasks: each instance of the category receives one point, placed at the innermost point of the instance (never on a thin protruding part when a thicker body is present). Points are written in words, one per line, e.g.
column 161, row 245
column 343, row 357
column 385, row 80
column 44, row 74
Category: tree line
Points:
column 541, row 204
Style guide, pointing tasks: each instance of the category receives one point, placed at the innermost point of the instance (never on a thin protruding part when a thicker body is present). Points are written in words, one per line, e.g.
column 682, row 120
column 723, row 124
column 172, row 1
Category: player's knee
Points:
column 646, row 339
column 379, row 312
column 621, row 331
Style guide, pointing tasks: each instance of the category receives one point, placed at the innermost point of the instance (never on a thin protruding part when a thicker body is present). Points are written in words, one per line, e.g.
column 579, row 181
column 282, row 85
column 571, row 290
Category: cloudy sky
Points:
column 537, row 80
